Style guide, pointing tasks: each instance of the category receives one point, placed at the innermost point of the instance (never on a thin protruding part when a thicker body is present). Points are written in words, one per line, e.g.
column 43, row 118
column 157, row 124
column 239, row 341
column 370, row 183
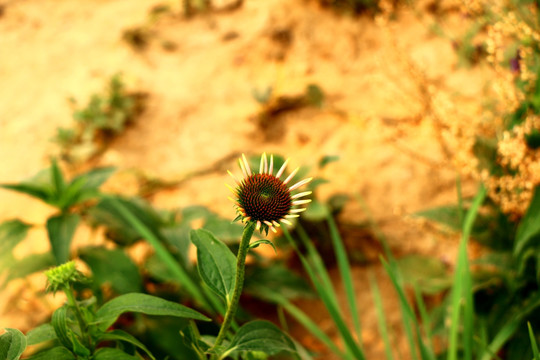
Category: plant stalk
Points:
column 68, row 290
column 238, row 284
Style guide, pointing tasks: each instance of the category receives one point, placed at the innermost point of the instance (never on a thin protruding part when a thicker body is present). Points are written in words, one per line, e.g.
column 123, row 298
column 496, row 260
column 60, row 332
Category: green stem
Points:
column 72, row 302
column 238, row 284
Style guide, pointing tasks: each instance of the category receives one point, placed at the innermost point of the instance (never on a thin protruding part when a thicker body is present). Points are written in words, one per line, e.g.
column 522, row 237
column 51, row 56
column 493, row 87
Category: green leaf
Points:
column 426, row 273
column 43, row 193
column 446, row 215
column 256, row 244
column 215, row 262
column 61, row 229
column 316, row 211
column 261, row 336
column 29, row 265
column 42, row 333
column 276, row 278
column 94, row 178
column 142, row 303
column 12, row 232
column 12, row 344
column 178, row 237
column 59, row 322
column 119, row 229
column 56, row 353
column 314, row 95
column 112, row 266
column 86, row 186
column 529, row 227
column 113, row 354
column 119, row 335
column 325, row 160
column 534, row 344
column 57, row 179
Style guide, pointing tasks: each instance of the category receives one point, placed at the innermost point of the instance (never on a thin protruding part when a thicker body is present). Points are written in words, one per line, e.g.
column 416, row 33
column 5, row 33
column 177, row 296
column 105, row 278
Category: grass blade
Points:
column 307, row 323
column 345, row 271
column 461, row 297
column 162, row 253
column 316, row 262
column 381, row 319
column 534, row 345
column 328, row 301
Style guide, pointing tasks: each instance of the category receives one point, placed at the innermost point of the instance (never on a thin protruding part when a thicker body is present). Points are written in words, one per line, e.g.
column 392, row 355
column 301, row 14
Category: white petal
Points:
column 300, row 202
column 282, row 169
column 276, row 224
column 261, row 166
column 297, row 210
column 286, row 221
column 233, row 190
column 242, row 167
column 300, row 183
column 292, row 216
column 273, row 229
column 258, row 227
column 248, row 170
column 271, row 168
column 291, row 176
column 301, row 194
column 268, row 223
column 234, row 177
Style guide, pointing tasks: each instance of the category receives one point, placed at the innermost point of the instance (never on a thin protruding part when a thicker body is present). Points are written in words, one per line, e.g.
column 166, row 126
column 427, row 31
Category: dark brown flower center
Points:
column 264, row 197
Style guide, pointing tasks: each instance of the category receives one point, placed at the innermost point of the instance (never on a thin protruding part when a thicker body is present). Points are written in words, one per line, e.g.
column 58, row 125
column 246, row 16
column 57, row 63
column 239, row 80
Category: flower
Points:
column 62, row 276
column 264, row 198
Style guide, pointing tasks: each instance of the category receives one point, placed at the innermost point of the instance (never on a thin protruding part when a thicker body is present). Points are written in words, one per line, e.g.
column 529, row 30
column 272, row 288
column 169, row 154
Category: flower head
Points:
column 264, row 198
column 62, row 276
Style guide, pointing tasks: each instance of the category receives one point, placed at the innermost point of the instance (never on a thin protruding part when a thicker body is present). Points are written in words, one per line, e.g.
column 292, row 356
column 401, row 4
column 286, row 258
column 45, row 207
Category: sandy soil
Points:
column 201, row 109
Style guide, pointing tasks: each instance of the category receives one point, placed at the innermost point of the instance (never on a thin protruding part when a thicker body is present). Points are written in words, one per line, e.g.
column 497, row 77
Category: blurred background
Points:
column 171, row 93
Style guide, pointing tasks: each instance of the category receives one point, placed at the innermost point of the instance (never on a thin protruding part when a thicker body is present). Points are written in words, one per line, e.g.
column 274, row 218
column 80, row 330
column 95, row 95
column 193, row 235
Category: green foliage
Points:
column 260, row 336
column 12, row 344
column 216, row 263
column 104, row 117
column 113, row 267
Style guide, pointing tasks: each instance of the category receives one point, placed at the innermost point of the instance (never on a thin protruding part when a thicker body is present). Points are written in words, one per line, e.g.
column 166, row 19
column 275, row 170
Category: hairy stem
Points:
column 68, row 290
column 238, row 284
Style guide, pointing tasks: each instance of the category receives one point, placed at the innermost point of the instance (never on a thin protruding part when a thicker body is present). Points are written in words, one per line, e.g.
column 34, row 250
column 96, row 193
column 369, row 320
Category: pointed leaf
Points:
column 29, row 265
column 215, row 262
column 529, row 226
column 57, row 179
column 119, row 335
column 113, row 354
column 12, row 232
column 261, row 336
column 142, row 303
column 12, row 344
column 56, row 353
column 94, row 178
column 256, row 244
column 42, row 333
column 112, row 266
column 59, row 322
column 61, row 229
column 44, row 193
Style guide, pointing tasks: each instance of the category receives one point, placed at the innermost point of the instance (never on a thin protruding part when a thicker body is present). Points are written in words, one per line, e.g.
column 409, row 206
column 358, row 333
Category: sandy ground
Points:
column 201, row 109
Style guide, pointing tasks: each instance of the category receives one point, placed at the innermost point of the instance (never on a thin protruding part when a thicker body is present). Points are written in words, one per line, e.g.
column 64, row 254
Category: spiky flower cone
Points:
column 265, row 198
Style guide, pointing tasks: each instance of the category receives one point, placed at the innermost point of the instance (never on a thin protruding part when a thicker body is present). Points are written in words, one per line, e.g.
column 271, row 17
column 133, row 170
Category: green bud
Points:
column 62, row 276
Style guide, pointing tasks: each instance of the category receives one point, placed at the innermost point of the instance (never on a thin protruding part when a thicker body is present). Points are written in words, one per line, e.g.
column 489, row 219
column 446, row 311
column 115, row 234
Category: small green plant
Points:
column 82, row 330
column 68, row 197
column 104, row 117
column 91, row 325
